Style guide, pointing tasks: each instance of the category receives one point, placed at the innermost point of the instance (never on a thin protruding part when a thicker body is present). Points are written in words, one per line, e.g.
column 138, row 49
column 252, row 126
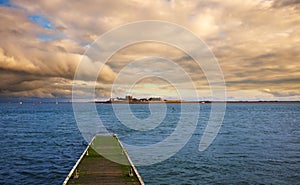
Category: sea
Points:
column 258, row 143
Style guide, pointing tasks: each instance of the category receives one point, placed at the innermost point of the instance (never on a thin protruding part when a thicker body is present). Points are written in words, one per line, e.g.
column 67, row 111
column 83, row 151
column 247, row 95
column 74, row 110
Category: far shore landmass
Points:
column 153, row 100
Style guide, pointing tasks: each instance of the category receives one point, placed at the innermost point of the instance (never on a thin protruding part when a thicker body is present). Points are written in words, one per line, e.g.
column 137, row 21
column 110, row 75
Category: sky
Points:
column 256, row 43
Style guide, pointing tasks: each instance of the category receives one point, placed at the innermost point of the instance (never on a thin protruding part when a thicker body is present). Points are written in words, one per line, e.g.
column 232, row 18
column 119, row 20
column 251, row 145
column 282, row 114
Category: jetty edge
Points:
column 94, row 168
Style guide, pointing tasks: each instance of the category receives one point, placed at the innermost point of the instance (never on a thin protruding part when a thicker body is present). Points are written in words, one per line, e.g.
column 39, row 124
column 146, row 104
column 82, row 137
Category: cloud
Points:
column 255, row 42
column 282, row 3
column 282, row 94
column 26, row 62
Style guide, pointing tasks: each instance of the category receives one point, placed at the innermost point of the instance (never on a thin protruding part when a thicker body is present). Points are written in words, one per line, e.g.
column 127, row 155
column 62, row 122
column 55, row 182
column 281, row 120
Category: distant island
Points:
column 131, row 100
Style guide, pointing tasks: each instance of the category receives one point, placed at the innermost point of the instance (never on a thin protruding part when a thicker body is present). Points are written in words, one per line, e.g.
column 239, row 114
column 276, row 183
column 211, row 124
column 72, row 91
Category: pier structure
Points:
column 94, row 168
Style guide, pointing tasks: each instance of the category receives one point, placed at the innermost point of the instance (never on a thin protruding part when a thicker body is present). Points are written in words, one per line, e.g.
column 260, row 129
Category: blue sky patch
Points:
column 5, row 3
column 41, row 20
column 47, row 37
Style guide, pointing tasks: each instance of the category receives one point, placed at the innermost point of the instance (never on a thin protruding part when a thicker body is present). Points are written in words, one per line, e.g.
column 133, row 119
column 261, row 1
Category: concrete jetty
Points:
column 93, row 168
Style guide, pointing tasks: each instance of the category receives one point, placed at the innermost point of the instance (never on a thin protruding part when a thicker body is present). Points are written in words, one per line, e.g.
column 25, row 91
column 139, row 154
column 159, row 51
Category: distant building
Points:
column 155, row 99
column 128, row 98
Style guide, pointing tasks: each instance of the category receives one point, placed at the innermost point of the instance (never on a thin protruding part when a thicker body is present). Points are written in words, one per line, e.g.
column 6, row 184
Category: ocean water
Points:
column 257, row 144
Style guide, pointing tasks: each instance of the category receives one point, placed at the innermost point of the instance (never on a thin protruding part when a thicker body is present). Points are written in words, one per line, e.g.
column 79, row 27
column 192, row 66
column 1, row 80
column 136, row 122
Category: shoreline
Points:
column 161, row 102
column 199, row 102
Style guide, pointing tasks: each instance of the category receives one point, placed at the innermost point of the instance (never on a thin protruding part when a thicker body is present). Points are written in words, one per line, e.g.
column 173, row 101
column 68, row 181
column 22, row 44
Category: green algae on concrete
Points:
column 96, row 169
